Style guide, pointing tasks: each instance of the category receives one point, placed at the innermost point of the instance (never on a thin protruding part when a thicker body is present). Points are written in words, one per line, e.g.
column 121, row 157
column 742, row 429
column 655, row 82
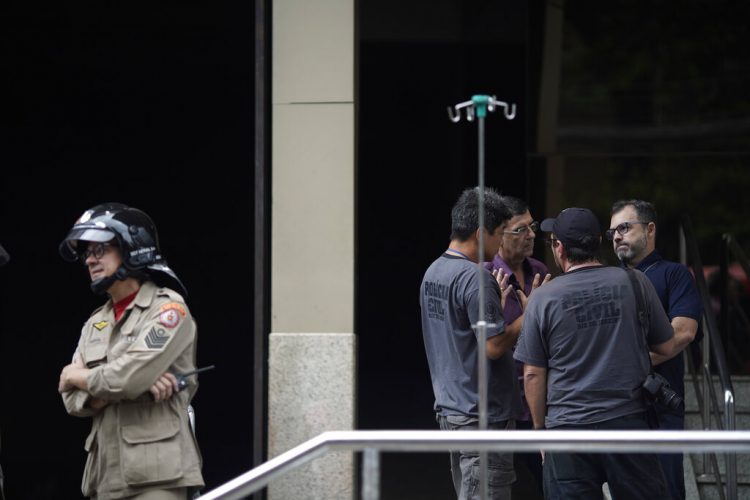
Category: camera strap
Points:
column 640, row 305
column 643, row 321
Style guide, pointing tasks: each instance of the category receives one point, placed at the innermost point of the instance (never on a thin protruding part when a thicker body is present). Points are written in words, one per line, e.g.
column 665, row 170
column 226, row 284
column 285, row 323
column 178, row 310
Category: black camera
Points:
column 657, row 389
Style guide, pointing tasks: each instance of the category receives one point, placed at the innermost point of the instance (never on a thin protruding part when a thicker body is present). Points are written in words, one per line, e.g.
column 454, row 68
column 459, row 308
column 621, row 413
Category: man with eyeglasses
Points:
column 122, row 375
column 520, row 274
column 633, row 234
column 449, row 302
column 584, row 364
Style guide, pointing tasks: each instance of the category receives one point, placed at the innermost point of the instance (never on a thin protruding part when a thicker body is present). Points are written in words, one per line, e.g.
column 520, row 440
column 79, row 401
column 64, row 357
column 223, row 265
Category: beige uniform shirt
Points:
column 137, row 444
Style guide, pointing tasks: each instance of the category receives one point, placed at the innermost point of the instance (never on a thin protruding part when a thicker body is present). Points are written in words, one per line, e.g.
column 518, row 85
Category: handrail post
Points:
column 370, row 474
column 683, row 246
column 730, row 459
column 724, row 291
column 707, row 387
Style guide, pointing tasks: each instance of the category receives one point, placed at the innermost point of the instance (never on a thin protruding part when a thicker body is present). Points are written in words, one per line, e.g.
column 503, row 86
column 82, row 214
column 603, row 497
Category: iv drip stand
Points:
column 478, row 106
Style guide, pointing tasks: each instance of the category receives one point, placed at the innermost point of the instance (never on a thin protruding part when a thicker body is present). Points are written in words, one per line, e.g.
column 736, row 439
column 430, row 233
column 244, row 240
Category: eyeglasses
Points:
column 622, row 229
column 96, row 250
column 534, row 226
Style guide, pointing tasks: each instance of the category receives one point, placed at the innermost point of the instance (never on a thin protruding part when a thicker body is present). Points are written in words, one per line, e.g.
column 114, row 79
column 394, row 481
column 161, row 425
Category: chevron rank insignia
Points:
column 169, row 318
column 100, row 325
column 156, row 339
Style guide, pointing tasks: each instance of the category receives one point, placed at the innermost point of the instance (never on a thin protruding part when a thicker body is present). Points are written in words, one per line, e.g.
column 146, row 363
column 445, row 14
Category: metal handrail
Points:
column 731, row 248
column 717, row 354
column 717, row 349
column 705, row 414
column 738, row 252
column 589, row 441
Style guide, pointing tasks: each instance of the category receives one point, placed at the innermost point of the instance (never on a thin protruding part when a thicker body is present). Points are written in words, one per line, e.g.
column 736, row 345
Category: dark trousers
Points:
column 528, row 466
column 580, row 476
column 671, row 463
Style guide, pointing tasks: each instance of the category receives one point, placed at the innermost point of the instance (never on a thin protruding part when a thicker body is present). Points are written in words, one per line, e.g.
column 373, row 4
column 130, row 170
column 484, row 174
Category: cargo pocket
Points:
column 151, row 454
column 90, row 479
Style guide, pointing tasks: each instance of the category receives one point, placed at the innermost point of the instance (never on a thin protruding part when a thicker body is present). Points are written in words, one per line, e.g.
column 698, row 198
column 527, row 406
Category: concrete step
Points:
column 741, row 386
column 707, row 489
column 743, row 465
column 703, row 486
column 693, row 421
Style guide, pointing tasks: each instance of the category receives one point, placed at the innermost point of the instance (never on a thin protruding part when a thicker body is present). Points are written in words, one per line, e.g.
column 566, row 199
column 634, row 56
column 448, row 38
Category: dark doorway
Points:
column 413, row 162
column 152, row 109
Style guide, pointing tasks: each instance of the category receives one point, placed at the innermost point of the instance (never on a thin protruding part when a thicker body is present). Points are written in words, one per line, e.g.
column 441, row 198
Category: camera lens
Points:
column 669, row 398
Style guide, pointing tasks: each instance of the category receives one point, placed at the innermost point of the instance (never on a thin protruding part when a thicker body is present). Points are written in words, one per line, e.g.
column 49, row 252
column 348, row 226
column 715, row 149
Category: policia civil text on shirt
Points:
column 141, row 443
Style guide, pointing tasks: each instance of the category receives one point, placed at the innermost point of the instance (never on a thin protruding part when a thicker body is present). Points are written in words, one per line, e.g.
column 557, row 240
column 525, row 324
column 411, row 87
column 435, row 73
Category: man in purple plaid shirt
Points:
column 521, row 273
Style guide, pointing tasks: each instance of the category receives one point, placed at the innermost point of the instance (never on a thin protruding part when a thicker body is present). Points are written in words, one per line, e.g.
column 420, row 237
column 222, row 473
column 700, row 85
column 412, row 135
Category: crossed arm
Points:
column 684, row 333
column 75, row 376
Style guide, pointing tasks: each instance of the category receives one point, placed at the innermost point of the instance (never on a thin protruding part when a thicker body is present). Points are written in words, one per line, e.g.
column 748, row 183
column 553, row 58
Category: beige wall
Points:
column 312, row 276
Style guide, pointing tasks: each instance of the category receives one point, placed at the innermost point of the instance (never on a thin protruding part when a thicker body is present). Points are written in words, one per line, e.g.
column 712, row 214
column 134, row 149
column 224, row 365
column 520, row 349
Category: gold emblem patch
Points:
column 99, row 326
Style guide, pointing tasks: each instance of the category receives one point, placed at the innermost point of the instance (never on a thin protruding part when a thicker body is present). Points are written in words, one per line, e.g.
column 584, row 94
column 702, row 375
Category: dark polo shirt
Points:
column 679, row 296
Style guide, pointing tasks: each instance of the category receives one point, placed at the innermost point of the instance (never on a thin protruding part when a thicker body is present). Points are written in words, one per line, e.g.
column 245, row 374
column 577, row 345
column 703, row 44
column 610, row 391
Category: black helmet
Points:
column 136, row 236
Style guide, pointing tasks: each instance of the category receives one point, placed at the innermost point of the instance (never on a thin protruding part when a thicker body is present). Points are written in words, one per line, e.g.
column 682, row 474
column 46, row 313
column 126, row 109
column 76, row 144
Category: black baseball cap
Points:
column 572, row 225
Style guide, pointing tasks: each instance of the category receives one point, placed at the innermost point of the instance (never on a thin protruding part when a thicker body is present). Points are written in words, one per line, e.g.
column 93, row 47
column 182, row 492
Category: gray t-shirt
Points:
column 449, row 299
column 583, row 328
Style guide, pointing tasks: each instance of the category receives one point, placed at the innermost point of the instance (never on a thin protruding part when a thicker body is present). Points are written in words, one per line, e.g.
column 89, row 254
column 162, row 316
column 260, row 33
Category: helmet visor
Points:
column 90, row 234
column 69, row 247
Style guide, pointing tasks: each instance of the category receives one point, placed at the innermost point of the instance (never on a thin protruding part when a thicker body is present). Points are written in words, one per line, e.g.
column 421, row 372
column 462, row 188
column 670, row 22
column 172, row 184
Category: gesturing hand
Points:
column 505, row 289
column 537, row 283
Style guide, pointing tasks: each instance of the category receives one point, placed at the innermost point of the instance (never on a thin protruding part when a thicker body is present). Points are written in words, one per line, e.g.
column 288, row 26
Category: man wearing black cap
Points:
column 586, row 359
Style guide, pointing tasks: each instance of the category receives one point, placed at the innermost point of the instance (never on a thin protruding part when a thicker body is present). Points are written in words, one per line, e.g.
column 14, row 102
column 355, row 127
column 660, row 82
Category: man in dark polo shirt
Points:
column 633, row 234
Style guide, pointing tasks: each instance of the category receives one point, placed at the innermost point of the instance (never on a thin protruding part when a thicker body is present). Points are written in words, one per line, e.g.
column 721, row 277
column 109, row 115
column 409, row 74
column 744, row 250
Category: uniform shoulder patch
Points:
column 169, row 318
column 100, row 325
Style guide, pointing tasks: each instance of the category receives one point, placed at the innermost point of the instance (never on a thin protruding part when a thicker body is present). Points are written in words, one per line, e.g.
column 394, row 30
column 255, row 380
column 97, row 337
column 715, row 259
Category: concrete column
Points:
column 312, row 348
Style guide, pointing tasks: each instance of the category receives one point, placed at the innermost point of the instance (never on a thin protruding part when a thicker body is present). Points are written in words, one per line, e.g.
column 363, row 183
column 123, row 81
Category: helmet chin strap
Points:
column 101, row 285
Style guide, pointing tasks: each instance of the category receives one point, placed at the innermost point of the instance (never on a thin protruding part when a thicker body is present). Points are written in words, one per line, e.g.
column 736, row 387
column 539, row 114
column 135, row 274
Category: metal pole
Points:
column 478, row 106
column 724, row 292
column 707, row 386
column 261, row 237
column 481, row 323
column 370, row 474
column 730, row 459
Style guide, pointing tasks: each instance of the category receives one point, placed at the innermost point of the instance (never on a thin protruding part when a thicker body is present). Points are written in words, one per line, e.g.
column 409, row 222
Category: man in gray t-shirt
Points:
column 449, row 300
column 585, row 359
